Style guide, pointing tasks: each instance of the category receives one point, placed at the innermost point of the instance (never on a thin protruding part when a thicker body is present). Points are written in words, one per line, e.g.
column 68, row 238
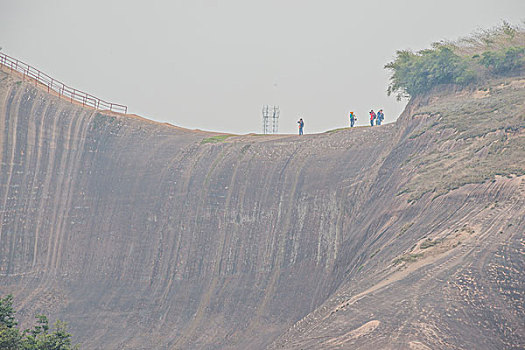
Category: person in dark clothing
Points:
column 372, row 117
column 353, row 118
column 301, row 125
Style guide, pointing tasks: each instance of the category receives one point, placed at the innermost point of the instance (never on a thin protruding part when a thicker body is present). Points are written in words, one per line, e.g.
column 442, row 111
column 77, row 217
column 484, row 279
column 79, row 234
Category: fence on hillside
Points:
column 61, row 89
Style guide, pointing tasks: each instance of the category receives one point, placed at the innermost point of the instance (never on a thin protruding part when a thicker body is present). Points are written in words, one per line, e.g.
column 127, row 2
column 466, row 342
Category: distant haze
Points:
column 213, row 64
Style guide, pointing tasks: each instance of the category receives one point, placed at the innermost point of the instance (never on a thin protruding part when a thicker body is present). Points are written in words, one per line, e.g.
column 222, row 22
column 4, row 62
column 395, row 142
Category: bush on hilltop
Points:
column 496, row 52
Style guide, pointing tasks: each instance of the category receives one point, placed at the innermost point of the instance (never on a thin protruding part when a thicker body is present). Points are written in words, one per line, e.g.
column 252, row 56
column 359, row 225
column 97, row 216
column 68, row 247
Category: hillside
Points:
column 142, row 235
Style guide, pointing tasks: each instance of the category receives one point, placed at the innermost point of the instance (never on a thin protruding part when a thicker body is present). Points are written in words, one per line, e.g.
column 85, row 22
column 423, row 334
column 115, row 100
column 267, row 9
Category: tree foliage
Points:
column 7, row 313
column 504, row 61
column 490, row 53
column 416, row 73
column 37, row 338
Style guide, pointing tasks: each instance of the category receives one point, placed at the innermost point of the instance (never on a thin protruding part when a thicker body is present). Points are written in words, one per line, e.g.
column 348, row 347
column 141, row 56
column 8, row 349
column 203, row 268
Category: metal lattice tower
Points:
column 266, row 121
column 270, row 119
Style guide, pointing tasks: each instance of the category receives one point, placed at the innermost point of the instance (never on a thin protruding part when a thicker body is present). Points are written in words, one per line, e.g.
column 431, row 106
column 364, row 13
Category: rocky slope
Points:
column 142, row 235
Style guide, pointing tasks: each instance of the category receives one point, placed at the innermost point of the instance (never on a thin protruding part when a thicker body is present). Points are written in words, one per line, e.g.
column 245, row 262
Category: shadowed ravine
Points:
column 141, row 236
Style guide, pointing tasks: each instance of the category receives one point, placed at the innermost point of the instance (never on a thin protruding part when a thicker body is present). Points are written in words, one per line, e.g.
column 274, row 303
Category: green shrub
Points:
column 416, row 73
column 495, row 51
column 503, row 61
column 407, row 258
column 215, row 139
column 429, row 243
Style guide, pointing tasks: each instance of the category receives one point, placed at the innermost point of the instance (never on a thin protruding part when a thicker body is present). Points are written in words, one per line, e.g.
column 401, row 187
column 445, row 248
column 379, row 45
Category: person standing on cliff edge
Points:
column 380, row 117
column 372, row 117
column 301, row 125
column 353, row 118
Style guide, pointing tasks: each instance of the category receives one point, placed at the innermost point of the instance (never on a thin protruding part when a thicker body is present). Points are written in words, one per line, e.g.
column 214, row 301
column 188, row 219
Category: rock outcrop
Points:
column 143, row 235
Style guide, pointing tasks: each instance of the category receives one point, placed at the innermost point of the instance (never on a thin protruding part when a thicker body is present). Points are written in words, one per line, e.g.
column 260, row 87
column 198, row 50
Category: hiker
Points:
column 301, row 125
column 372, row 117
column 380, row 117
column 353, row 118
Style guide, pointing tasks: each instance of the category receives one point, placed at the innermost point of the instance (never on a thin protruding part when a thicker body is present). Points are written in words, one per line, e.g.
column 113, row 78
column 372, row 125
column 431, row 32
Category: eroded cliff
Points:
column 143, row 235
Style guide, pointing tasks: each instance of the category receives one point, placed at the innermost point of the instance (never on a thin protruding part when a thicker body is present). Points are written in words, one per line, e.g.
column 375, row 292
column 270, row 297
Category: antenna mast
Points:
column 270, row 116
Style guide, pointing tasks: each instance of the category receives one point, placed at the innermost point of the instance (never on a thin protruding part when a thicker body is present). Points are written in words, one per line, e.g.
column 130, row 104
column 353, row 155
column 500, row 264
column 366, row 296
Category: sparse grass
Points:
column 416, row 134
column 374, row 253
column 408, row 258
column 215, row 139
column 101, row 120
column 403, row 191
column 405, row 228
column 335, row 130
column 429, row 243
column 467, row 229
column 245, row 148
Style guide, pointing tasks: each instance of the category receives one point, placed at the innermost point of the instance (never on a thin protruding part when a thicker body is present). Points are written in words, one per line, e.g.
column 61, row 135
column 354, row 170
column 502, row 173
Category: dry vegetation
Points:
column 489, row 39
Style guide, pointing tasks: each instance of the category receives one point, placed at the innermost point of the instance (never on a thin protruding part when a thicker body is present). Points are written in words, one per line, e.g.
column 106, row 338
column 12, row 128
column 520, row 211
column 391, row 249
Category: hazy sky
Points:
column 213, row 64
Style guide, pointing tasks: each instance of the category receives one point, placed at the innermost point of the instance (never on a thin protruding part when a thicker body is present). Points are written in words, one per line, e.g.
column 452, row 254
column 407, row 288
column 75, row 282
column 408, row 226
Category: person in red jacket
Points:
column 372, row 117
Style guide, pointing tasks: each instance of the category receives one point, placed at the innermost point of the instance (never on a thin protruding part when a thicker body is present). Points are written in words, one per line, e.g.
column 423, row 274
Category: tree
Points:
column 416, row 73
column 504, row 61
column 7, row 313
column 37, row 338
column 10, row 338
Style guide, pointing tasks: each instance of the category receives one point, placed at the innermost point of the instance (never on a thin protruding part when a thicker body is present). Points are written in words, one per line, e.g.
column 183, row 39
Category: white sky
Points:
column 213, row 64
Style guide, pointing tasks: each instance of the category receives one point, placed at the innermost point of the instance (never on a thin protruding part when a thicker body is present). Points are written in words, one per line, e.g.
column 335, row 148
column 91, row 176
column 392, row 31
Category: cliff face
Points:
column 143, row 235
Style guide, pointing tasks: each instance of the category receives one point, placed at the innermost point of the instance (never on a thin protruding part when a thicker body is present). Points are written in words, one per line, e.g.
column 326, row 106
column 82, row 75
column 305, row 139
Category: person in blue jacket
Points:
column 301, row 125
column 353, row 118
column 380, row 117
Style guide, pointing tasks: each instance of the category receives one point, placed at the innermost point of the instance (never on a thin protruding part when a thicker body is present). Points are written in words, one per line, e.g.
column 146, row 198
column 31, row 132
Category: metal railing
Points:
column 60, row 88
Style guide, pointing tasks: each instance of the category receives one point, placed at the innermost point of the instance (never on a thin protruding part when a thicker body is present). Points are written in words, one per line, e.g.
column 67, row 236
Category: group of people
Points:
column 377, row 118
